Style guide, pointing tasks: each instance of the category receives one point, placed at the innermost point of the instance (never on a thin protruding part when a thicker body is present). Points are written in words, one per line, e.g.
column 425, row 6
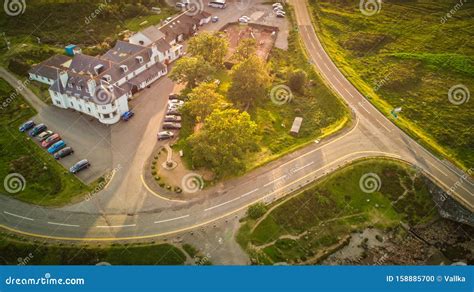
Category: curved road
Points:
column 128, row 209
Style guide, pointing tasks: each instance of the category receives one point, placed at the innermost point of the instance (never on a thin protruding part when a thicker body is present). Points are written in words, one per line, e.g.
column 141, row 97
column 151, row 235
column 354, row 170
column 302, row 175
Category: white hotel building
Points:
column 101, row 86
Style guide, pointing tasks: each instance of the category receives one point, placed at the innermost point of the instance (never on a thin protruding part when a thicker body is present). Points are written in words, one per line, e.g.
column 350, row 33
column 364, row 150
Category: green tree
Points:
column 212, row 47
column 250, row 80
column 297, row 80
column 247, row 47
column 191, row 70
column 221, row 145
column 257, row 210
column 203, row 100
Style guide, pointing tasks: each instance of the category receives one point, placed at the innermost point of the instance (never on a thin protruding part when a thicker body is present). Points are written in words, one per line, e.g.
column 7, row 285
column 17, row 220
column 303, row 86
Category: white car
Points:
column 278, row 9
column 277, row 4
column 280, row 14
column 244, row 19
column 175, row 102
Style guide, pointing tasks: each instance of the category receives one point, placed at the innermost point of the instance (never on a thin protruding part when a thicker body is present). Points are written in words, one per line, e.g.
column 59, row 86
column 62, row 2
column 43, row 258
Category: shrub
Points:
column 256, row 210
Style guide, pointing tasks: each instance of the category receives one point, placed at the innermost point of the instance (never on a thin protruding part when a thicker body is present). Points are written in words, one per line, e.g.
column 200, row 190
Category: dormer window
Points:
column 124, row 68
column 107, row 78
column 139, row 59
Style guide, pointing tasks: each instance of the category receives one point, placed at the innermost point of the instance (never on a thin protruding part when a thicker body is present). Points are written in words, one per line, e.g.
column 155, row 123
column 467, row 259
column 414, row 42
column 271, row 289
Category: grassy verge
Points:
column 46, row 182
column 331, row 209
column 405, row 57
column 17, row 251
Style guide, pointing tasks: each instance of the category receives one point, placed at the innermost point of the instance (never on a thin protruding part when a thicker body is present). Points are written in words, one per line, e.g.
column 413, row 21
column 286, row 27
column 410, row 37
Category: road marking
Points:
column 326, row 65
column 280, row 178
column 116, row 226
column 360, row 104
column 172, row 219
column 222, row 204
column 437, row 168
column 304, row 166
column 18, row 216
column 62, row 224
column 157, row 195
column 251, row 192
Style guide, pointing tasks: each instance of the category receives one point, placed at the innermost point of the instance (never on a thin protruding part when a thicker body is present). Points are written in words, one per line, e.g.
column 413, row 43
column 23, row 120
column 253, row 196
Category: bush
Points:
column 256, row 210
column 297, row 80
column 18, row 67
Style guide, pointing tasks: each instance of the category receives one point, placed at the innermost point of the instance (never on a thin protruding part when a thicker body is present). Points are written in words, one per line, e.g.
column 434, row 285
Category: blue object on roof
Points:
column 70, row 49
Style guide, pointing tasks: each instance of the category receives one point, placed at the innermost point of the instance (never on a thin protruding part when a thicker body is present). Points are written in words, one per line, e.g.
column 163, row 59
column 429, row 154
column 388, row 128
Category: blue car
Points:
column 37, row 129
column 26, row 126
column 127, row 115
column 83, row 164
column 56, row 147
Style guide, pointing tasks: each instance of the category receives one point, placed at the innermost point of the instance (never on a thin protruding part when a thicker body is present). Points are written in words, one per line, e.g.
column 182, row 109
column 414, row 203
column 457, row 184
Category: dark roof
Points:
column 147, row 74
column 50, row 67
column 122, row 51
column 152, row 33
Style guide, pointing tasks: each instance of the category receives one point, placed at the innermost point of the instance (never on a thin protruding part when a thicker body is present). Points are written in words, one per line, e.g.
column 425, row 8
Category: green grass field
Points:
column 46, row 181
column 408, row 56
column 14, row 251
column 333, row 208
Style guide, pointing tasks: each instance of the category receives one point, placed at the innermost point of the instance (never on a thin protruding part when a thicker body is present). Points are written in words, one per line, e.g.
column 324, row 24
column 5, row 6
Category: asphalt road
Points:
column 128, row 209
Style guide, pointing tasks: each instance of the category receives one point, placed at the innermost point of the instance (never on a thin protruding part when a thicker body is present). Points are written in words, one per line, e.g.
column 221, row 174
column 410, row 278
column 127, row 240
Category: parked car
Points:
column 244, row 19
column 172, row 118
column 173, row 111
column 26, row 126
column 278, row 8
column 50, row 140
column 44, row 135
column 175, row 102
column 56, row 147
column 173, row 96
column 66, row 151
column 281, row 14
column 180, row 5
column 81, row 165
column 215, row 19
column 171, row 126
column 127, row 115
column 37, row 129
column 277, row 4
column 165, row 135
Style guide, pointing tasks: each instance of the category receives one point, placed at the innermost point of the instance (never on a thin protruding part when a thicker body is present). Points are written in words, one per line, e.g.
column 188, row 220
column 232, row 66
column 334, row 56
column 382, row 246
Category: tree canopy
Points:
column 250, row 81
column 226, row 137
column 247, row 47
column 203, row 100
column 191, row 70
column 212, row 47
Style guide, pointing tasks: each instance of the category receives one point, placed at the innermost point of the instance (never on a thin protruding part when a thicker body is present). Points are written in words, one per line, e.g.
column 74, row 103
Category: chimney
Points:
column 63, row 77
column 98, row 69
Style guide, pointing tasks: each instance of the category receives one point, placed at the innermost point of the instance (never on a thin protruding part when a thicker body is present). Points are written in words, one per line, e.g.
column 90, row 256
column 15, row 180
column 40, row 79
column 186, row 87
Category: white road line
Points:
column 360, row 104
column 281, row 177
column 18, row 216
column 62, row 224
column 437, row 168
column 304, row 166
column 222, row 204
column 388, row 130
column 172, row 219
column 348, row 92
column 251, row 192
column 116, row 226
column 326, row 65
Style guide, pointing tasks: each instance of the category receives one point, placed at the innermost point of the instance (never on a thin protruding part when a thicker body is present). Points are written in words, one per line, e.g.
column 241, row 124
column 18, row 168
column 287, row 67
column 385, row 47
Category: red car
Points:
column 51, row 140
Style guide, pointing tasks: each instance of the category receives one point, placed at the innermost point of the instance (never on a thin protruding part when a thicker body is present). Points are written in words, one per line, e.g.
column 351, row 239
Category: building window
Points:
column 57, row 102
column 106, row 116
column 104, row 107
